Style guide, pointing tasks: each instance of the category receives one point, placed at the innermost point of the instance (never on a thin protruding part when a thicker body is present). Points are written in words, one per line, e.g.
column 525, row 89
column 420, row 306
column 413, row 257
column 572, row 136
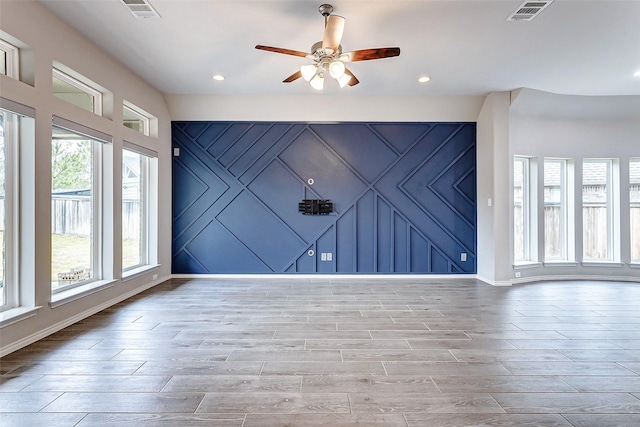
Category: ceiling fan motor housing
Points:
column 316, row 51
column 325, row 9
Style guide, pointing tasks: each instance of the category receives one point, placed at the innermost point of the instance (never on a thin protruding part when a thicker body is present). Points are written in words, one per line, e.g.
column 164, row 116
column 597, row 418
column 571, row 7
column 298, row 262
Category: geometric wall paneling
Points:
column 403, row 194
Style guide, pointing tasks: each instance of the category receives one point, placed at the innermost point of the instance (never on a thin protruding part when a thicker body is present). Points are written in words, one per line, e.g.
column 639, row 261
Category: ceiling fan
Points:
column 328, row 57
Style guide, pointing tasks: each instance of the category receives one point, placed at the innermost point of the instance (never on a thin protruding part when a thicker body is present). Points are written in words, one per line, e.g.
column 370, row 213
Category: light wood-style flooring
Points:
column 341, row 352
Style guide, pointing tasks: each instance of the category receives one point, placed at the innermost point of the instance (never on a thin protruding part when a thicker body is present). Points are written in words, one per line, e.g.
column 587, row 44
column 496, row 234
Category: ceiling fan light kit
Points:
column 328, row 56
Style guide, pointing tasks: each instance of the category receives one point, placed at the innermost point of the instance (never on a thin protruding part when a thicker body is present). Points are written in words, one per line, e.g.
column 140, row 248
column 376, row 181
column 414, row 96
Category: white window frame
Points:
column 97, row 184
column 612, row 211
column 564, row 210
column 145, row 184
column 137, row 112
column 527, row 211
column 633, row 260
column 11, row 241
column 12, row 58
column 151, row 210
column 95, row 94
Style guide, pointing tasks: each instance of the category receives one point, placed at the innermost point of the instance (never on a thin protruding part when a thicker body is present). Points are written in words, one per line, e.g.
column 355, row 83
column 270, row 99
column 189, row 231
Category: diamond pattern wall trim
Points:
column 404, row 196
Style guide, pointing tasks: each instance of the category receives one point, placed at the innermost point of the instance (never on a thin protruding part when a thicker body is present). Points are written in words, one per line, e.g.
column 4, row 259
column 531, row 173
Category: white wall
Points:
column 493, row 221
column 52, row 40
column 325, row 108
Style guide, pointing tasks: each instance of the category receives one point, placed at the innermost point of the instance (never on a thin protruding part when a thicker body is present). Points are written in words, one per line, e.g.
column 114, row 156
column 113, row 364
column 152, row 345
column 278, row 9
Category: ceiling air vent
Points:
column 529, row 10
column 140, row 8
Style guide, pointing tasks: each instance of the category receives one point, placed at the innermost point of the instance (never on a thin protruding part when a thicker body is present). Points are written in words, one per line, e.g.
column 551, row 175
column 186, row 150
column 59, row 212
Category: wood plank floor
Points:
column 341, row 352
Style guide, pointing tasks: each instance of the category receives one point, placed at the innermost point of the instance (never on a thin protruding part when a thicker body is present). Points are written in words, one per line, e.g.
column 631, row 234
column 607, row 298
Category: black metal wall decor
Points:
column 315, row 207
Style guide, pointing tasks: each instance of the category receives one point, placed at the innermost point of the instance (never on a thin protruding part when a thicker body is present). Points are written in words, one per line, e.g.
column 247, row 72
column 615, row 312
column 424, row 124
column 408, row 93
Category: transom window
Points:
column 134, row 118
column 76, row 92
column 8, row 59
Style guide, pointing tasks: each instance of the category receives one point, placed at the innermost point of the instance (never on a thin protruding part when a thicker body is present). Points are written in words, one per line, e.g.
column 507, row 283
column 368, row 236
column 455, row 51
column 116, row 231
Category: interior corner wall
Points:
column 53, row 41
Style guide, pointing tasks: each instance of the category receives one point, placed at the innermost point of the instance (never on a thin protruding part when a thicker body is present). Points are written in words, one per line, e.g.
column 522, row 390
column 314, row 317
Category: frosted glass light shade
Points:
column 317, row 82
column 336, row 69
column 343, row 80
column 308, row 71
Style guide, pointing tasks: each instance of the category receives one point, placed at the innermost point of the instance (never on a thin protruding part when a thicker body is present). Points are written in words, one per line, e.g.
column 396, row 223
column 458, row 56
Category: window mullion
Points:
column 98, row 195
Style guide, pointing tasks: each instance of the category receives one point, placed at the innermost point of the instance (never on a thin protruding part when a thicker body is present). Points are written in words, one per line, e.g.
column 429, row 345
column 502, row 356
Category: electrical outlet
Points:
column 329, row 256
column 518, row 274
column 323, row 256
column 154, row 277
column 463, row 256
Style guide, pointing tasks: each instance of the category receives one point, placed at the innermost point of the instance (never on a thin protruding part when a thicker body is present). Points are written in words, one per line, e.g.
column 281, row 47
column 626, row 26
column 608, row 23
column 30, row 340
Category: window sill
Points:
column 138, row 271
column 82, row 291
column 602, row 264
column 634, row 265
column 561, row 263
column 526, row 264
column 14, row 315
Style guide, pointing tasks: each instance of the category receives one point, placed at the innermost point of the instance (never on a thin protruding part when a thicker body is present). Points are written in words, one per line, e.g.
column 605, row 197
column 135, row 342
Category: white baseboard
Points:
column 314, row 276
column 558, row 277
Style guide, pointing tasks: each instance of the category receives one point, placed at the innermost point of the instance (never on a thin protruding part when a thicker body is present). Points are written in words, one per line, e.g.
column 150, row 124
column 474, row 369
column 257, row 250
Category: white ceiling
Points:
column 466, row 46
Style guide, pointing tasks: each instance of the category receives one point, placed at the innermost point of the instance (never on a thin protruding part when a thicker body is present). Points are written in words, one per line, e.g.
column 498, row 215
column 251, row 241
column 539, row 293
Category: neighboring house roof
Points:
column 131, row 168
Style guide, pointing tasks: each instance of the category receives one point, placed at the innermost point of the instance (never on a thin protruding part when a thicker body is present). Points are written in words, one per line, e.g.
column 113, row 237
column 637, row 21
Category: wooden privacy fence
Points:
column 72, row 216
column 594, row 223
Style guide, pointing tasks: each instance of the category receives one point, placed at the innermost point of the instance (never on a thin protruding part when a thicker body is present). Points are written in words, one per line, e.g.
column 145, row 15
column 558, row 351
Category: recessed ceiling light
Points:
column 218, row 77
column 424, row 79
column 636, row 74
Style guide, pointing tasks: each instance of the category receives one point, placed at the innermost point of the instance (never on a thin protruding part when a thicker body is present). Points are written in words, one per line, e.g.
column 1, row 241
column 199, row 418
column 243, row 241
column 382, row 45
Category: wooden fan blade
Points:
column 282, row 50
column 293, row 77
column 354, row 81
column 369, row 54
column 333, row 33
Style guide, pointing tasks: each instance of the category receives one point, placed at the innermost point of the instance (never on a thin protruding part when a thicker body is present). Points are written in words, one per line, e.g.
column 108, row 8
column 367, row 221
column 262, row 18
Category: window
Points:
column 634, row 202
column 597, row 210
column 8, row 59
column 17, row 132
column 555, row 209
column 8, row 246
column 75, row 209
column 138, row 182
column 134, row 118
column 521, row 210
column 77, row 93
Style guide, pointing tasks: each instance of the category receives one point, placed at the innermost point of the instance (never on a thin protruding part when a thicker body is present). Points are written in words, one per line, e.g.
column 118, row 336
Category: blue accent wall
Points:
column 404, row 197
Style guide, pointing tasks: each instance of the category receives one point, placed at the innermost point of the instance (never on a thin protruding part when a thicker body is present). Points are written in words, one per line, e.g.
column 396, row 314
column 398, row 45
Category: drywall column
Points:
column 494, row 219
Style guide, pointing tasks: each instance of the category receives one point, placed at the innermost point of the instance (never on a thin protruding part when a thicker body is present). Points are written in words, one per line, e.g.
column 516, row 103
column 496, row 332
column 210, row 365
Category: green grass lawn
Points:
column 75, row 251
